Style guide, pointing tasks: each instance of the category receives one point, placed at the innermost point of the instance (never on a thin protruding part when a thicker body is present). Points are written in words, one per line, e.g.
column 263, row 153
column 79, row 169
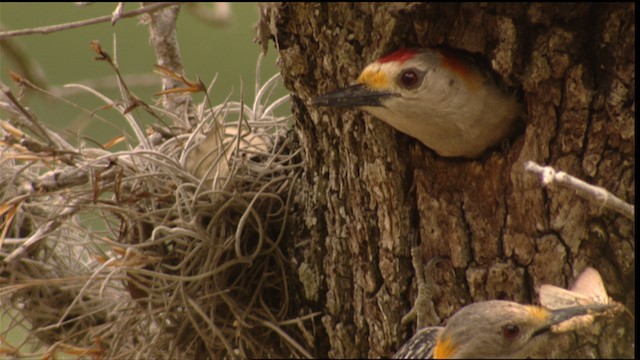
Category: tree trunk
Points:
column 366, row 185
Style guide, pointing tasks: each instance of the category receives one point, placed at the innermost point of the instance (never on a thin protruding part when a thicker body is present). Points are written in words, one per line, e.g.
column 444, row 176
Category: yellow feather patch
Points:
column 374, row 79
column 444, row 349
column 539, row 314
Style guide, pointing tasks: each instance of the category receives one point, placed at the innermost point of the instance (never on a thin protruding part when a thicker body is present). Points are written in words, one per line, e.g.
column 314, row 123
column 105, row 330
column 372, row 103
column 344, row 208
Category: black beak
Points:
column 560, row 315
column 352, row 96
column 564, row 314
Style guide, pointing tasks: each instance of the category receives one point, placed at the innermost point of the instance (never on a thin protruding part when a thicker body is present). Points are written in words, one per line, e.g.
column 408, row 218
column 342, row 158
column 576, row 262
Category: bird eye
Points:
column 510, row 331
column 410, row 79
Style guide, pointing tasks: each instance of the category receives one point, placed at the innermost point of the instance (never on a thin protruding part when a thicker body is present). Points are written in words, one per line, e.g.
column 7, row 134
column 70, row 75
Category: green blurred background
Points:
column 65, row 57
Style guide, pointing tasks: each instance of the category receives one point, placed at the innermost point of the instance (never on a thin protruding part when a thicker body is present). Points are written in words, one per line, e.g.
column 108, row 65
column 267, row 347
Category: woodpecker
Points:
column 440, row 96
column 498, row 329
column 491, row 329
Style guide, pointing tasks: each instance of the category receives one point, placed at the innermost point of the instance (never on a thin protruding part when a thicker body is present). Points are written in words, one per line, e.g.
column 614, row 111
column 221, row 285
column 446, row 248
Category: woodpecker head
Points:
column 438, row 96
column 502, row 329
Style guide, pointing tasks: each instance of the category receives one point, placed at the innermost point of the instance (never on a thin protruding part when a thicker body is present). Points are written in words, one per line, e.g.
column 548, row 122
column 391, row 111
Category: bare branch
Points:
column 549, row 176
column 76, row 24
column 164, row 39
column 117, row 13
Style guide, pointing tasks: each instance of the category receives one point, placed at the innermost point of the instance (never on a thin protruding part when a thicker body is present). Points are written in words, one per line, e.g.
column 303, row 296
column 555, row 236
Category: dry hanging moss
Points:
column 189, row 263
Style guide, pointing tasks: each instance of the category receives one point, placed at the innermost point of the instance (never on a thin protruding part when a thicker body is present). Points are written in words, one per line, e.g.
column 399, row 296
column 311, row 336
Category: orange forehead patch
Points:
column 374, row 79
column 538, row 313
column 444, row 349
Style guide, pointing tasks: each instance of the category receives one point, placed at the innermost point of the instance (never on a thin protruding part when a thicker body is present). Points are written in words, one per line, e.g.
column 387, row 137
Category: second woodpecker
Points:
column 493, row 329
column 436, row 95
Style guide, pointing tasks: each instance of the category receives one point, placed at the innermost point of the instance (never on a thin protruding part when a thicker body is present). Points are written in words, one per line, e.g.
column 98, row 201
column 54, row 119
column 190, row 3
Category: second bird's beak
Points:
column 559, row 316
column 352, row 96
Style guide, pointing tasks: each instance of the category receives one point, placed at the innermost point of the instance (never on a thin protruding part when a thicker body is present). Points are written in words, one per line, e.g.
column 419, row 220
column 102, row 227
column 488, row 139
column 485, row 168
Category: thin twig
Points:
column 76, row 24
column 70, row 209
column 286, row 337
column 117, row 13
column 549, row 176
column 34, row 125
column 107, row 83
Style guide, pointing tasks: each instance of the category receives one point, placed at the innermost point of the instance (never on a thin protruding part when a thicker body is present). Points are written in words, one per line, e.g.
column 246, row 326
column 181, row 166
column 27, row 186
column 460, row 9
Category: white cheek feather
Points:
column 447, row 117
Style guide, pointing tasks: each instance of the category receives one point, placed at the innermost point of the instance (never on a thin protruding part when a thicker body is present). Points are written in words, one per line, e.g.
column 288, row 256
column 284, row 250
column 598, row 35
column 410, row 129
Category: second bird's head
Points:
column 503, row 329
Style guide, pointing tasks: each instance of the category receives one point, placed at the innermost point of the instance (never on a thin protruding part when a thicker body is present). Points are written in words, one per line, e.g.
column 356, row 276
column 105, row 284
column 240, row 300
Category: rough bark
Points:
column 366, row 185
